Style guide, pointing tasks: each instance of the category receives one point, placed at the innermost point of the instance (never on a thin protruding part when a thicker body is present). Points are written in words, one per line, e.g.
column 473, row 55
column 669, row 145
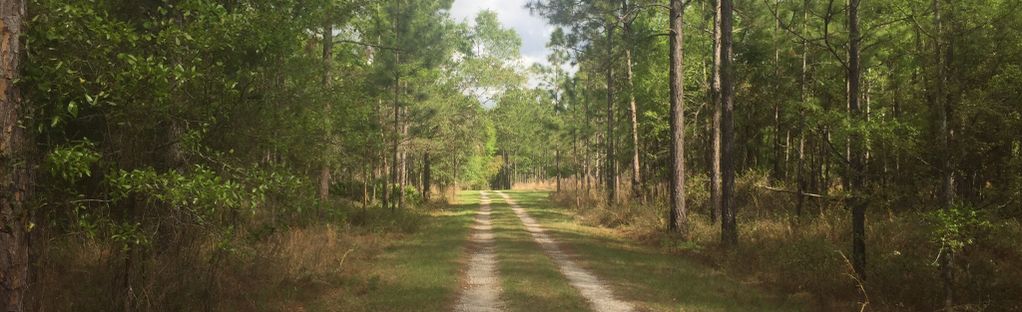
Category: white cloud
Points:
column 534, row 30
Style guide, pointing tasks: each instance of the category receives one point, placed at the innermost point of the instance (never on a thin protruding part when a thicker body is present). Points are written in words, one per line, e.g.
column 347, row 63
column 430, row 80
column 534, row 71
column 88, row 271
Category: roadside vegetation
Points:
column 371, row 261
column 805, row 258
column 653, row 276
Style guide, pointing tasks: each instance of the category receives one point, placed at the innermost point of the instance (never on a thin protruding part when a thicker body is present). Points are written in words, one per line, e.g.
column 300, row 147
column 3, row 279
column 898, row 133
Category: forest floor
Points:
column 517, row 251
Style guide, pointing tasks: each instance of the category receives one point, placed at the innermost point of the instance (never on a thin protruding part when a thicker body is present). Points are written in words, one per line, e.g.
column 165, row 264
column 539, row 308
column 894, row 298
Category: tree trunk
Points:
column 856, row 177
column 632, row 107
column 574, row 156
column 394, row 169
column 729, row 227
column 384, row 178
column 328, row 46
column 610, row 176
column 803, row 96
column 557, row 166
column 457, row 168
column 404, row 158
column 715, row 92
column 508, row 172
column 365, row 180
column 778, row 163
column 395, row 164
column 405, row 167
column 16, row 179
column 943, row 109
column 587, row 162
column 678, row 212
column 426, row 176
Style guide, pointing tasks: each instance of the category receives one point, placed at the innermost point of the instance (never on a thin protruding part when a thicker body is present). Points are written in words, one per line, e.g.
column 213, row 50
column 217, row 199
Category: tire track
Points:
column 591, row 287
column 482, row 292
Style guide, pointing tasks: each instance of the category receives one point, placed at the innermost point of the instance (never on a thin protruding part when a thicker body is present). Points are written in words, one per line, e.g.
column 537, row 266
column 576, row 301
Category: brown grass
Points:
column 294, row 269
column 548, row 185
column 806, row 256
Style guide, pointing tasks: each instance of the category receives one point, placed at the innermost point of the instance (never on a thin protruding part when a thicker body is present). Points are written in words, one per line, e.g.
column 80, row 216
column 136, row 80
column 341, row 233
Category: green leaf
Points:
column 72, row 108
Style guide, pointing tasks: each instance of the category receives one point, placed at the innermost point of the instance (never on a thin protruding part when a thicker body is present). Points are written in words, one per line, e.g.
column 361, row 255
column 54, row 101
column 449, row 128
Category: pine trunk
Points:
column 729, row 227
column 324, row 171
column 715, row 174
column 856, row 177
column 943, row 108
column 678, row 212
column 632, row 107
column 16, row 179
column 427, row 176
column 610, row 176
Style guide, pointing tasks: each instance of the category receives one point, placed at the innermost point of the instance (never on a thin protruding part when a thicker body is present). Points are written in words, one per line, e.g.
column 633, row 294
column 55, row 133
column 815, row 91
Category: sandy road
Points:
column 483, row 287
column 591, row 287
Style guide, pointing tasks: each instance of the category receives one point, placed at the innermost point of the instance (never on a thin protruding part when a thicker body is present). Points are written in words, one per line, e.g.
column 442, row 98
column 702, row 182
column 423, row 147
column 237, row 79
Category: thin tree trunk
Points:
column 804, row 97
column 395, row 164
column 942, row 108
column 632, row 107
column 576, row 168
column 394, row 169
column 678, row 212
column 610, row 175
column 715, row 135
column 778, row 171
column 16, row 179
column 324, row 171
column 404, row 159
column 557, row 165
column 426, row 176
column 385, row 178
column 457, row 168
column 856, row 177
column 365, row 182
column 587, row 162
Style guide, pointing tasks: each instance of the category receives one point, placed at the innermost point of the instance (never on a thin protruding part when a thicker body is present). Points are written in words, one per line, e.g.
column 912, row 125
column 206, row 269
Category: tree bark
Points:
column 856, row 177
column 803, row 96
column 632, row 107
column 778, row 161
column 384, row 177
column 427, row 175
column 943, row 108
column 394, row 169
column 395, row 163
column 328, row 46
column 729, row 227
column 404, row 157
column 678, row 212
column 557, row 166
column 715, row 135
column 587, row 162
column 611, row 168
column 16, row 179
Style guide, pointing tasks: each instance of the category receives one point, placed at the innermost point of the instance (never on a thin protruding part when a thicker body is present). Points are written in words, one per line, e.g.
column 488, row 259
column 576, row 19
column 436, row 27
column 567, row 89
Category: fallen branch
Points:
column 777, row 189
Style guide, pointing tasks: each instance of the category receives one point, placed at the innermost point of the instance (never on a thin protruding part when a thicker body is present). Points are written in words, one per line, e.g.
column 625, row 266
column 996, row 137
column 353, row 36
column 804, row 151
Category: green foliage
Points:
column 200, row 191
column 129, row 236
column 72, row 162
column 958, row 227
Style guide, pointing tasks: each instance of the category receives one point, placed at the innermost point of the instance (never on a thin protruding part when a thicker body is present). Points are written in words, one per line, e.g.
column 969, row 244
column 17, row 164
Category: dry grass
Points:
column 646, row 275
column 289, row 271
column 804, row 256
column 548, row 185
column 321, row 266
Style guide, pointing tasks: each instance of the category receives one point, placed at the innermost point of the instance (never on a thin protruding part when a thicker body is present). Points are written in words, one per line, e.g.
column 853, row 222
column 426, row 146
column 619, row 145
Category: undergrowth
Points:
column 806, row 256
column 267, row 265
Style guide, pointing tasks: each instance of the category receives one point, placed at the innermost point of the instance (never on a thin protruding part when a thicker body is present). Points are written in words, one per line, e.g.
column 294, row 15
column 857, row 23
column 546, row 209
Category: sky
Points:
column 534, row 30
